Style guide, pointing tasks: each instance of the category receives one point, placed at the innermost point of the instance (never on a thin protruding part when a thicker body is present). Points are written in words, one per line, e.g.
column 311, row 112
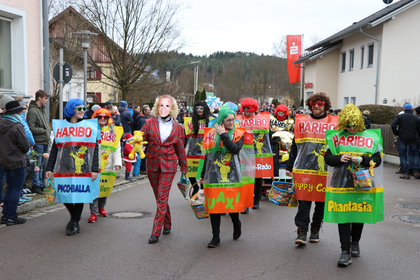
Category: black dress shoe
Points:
column 166, row 231
column 214, row 242
column 73, row 229
column 153, row 239
column 237, row 230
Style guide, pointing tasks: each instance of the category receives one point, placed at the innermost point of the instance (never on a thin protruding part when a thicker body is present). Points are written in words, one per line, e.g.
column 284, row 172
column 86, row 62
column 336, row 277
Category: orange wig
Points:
column 105, row 112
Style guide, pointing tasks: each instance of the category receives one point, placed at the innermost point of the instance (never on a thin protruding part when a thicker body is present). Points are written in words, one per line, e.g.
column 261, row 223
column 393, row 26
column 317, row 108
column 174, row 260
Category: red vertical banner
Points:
column 294, row 48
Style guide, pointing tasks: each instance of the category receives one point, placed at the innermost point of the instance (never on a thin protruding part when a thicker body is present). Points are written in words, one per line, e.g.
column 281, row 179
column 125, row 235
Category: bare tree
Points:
column 280, row 47
column 135, row 34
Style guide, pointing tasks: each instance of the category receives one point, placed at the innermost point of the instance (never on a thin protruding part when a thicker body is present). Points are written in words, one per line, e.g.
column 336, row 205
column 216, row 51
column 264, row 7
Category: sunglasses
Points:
column 247, row 108
column 317, row 103
column 281, row 114
column 80, row 108
column 102, row 117
column 199, row 108
column 350, row 125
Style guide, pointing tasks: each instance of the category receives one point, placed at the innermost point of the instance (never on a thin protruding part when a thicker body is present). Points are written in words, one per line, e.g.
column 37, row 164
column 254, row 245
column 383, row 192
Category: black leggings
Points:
column 351, row 232
column 215, row 222
column 75, row 210
column 196, row 186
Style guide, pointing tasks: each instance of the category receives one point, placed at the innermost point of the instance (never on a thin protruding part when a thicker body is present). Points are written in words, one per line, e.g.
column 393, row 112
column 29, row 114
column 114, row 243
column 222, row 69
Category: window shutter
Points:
column 98, row 73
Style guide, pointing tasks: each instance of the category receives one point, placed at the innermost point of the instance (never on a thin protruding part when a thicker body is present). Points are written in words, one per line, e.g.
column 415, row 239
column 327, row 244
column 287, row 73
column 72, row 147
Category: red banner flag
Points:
column 293, row 53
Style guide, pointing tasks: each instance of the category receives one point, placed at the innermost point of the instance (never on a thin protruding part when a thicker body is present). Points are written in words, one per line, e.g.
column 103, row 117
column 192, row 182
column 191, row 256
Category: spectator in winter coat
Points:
column 407, row 127
column 39, row 125
column 126, row 118
column 14, row 146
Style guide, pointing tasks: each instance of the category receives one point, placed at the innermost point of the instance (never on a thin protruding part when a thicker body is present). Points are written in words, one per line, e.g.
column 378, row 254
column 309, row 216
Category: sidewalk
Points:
column 40, row 201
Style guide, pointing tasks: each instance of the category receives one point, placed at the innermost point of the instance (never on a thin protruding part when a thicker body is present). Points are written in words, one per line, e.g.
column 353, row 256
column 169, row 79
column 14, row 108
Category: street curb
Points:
column 43, row 202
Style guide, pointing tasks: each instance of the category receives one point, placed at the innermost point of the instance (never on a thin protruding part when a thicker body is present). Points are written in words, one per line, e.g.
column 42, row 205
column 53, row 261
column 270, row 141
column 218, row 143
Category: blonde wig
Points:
column 351, row 116
column 174, row 112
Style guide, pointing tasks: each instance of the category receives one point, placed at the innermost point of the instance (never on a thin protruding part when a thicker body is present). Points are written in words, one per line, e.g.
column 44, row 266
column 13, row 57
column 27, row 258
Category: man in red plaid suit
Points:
column 166, row 147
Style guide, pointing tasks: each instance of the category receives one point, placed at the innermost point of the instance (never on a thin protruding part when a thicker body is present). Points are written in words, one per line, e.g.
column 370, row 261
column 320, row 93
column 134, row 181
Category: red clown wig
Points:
column 105, row 112
column 281, row 109
column 251, row 103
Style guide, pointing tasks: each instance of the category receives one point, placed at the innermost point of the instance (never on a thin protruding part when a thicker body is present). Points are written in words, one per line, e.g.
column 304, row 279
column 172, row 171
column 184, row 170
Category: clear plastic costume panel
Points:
column 72, row 171
column 345, row 201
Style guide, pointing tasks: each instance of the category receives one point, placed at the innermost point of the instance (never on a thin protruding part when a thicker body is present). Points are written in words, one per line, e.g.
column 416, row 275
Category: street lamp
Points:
column 195, row 73
column 84, row 40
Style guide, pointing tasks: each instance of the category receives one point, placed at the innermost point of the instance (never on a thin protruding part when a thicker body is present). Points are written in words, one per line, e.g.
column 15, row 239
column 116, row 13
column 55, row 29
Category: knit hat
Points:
column 13, row 107
column 95, row 107
column 71, row 104
column 123, row 103
column 408, row 107
column 417, row 109
column 4, row 99
column 128, row 137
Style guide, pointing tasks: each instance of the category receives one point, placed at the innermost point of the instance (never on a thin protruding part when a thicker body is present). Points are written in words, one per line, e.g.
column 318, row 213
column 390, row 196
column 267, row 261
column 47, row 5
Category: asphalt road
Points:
column 117, row 248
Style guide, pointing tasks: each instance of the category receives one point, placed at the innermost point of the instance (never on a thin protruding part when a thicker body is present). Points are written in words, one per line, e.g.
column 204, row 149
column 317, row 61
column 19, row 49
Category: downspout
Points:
column 46, row 52
column 377, row 63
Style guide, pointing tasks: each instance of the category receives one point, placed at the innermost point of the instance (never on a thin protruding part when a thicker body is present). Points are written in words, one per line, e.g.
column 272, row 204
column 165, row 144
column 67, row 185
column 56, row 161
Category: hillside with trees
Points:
column 231, row 76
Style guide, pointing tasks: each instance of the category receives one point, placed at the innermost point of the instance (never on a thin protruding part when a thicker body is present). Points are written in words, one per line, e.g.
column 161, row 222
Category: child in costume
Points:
column 110, row 159
column 128, row 147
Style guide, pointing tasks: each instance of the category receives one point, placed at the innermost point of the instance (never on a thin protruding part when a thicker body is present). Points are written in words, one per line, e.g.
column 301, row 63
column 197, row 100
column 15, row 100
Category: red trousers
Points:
column 128, row 166
column 161, row 184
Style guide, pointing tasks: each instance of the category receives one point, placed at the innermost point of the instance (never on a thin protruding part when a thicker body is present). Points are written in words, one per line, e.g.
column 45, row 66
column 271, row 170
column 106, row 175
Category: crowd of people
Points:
column 229, row 153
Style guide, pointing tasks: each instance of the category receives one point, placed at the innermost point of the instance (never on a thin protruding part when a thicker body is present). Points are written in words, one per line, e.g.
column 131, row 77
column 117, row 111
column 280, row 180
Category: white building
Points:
column 21, row 52
column 373, row 61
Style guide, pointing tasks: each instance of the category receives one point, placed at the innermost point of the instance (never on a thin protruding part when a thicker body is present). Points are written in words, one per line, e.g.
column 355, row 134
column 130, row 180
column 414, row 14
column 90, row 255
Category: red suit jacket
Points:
column 167, row 154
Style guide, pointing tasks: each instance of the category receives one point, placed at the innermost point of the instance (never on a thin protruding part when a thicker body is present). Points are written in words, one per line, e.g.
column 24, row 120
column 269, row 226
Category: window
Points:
column 370, row 55
column 346, row 101
column 362, row 56
column 5, row 54
column 353, row 100
column 343, row 61
column 351, row 59
column 94, row 74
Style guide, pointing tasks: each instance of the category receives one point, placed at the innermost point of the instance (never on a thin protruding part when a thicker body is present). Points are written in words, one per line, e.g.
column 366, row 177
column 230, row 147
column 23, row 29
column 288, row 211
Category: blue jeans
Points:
column 408, row 156
column 37, row 178
column 136, row 168
column 15, row 179
column 2, row 177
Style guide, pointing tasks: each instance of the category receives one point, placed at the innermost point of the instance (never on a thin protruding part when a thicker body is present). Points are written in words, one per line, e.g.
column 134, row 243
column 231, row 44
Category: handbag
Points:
column 361, row 177
column 281, row 194
column 197, row 205
column 50, row 192
column 183, row 185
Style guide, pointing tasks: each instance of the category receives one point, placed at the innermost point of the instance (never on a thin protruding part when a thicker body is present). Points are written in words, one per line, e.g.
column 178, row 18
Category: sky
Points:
column 254, row 26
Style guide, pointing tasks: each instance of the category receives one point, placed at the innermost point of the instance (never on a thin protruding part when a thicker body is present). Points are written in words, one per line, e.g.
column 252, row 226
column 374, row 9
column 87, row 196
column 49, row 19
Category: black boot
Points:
column 237, row 230
column 73, row 229
column 355, row 249
column 257, row 197
column 301, row 238
column 68, row 226
column 314, row 237
column 345, row 259
column 214, row 242
column 127, row 176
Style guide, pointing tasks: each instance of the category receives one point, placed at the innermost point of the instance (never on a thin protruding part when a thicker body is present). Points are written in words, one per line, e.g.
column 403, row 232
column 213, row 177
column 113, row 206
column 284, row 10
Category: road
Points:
column 117, row 248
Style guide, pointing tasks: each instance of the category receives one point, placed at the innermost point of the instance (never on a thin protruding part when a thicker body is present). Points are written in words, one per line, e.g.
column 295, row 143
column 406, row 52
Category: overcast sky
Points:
column 208, row 26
